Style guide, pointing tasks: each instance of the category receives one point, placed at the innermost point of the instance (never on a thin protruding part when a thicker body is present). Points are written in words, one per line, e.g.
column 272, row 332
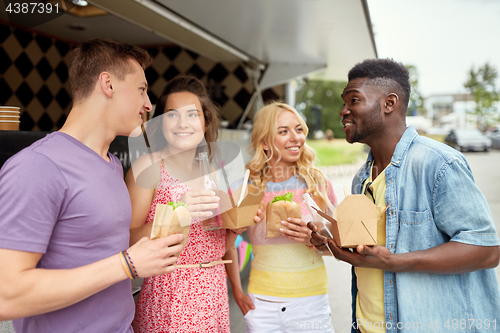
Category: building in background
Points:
column 448, row 112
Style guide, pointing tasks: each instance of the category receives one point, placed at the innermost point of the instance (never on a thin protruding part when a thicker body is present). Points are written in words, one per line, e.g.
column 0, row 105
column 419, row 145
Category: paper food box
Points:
column 240, row 206
column 279, row 210
column 354, row 222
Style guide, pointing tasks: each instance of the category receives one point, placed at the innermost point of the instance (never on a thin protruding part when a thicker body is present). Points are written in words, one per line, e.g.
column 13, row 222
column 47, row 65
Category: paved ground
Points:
column 487, row 176
column 485, row 167
column 6, row 327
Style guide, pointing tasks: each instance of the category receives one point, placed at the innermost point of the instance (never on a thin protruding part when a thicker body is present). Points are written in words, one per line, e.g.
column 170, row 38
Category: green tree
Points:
column 481, row 85
column 416, row 104
column 324, row 93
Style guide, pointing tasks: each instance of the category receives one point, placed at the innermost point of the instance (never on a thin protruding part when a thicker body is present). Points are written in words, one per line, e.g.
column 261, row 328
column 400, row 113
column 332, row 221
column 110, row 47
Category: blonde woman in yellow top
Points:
column 288, row 285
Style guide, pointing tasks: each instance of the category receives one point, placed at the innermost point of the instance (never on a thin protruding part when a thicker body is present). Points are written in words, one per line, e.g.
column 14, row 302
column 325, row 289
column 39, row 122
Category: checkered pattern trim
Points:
column 34, row 76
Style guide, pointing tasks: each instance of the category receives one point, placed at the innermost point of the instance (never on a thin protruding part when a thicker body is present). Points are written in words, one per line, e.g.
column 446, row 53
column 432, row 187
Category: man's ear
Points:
column 106, row 83
column 391, row 102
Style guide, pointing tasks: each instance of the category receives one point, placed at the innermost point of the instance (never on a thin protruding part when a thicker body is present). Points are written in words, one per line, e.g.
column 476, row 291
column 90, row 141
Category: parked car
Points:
column 468, row 140
column 494, row 135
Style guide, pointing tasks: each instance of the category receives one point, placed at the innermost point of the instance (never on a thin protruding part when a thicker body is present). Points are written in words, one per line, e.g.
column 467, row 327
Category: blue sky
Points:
column 442, row 38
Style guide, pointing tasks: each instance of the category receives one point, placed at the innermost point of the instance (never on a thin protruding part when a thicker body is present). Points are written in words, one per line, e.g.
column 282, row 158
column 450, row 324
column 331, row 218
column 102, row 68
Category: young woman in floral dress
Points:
column 190, row 299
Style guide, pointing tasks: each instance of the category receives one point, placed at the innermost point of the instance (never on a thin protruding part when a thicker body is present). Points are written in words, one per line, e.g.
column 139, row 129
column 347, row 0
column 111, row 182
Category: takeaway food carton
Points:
column 354, row 222
column 239, row 207
column 238, row 214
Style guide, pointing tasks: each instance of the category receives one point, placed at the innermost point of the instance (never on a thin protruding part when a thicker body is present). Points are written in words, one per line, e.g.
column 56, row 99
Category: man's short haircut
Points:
column 384, row 72
column 95, row 56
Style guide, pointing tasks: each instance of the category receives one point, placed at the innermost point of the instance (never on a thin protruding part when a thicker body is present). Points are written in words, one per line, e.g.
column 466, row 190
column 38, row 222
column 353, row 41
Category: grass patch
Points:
column 337, row 151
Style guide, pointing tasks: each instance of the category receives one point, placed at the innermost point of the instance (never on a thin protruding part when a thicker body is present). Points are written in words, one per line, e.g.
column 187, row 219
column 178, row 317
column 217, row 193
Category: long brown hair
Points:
column 210, row 110
column 265, row 129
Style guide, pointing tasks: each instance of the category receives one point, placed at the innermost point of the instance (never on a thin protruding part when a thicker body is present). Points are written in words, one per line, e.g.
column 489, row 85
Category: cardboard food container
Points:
column 354, row 222
column 280, row 211
column 168, row 221
column 239, row 208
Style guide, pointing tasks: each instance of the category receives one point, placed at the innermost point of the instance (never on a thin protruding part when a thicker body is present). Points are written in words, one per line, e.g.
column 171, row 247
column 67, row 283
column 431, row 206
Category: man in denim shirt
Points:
column 431, row 271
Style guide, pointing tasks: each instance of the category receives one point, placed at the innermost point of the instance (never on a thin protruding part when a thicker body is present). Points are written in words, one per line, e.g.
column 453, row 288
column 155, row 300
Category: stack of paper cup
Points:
column 9, row 118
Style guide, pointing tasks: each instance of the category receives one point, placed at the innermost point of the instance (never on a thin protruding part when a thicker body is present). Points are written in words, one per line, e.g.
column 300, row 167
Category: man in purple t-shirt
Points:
column 65, row 211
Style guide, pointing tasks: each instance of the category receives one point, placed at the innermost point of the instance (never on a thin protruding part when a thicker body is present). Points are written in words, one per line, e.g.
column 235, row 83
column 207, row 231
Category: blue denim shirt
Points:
column 434, row 200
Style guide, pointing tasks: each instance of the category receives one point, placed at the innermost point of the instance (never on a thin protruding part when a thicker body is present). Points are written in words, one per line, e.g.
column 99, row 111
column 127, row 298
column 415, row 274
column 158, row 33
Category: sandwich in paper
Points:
column 281, row 208
column 171, row 218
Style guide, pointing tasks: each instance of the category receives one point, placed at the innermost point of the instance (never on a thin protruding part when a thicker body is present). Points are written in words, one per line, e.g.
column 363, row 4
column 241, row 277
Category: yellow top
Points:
column 283, row 267
column 287, row 270
column 370, row 313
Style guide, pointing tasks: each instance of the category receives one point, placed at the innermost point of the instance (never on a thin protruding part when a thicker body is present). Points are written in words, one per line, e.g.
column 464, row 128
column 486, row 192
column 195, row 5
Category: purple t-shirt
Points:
column 60, row 198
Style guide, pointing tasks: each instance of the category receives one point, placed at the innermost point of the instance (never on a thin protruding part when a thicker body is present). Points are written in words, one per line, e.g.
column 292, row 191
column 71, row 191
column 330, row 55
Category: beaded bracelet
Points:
column 132, row 263
column 124, row 264
column 128, row 266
